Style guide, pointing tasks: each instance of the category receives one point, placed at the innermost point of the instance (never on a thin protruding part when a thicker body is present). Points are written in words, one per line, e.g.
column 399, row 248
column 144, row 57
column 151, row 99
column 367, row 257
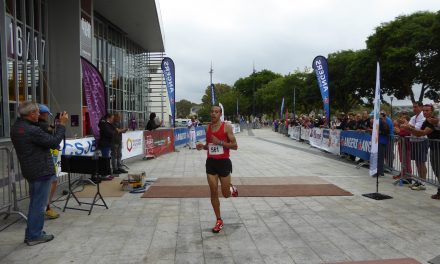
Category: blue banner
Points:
column 200, row 133
column 213, row 99
column 169, row 74
column 181, row 136
column 321, row 70
column 356, row 143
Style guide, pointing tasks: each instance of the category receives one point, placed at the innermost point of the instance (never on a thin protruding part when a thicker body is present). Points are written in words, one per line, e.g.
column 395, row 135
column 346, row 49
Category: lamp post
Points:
column 391, row 114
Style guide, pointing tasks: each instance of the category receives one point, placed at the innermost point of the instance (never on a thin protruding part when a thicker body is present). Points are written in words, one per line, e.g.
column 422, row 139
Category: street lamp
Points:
column 391, row 114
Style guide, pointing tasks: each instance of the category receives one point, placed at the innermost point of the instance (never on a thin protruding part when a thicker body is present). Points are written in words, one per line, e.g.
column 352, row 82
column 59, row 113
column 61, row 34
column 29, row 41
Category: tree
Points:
column 183, row 108
column 248, row 85
column 405, row 48
column 342, row 87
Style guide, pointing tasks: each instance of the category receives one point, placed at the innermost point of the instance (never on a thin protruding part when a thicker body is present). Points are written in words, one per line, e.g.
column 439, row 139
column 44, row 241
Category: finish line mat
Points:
column 381, row 261
column 247, row 187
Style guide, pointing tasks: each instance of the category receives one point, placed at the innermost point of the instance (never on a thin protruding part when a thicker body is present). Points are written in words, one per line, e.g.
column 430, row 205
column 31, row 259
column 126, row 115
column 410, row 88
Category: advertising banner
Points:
column 321, row 70
column 282, row 108
column 305, row 133
column 181, row 136
column 158, row 142
column 132, row 144
column 315, row 138
column 334, row 145
column 94, row 92
column 169, row 75
column 201, row 133
column 295, row 133
column 356, row 143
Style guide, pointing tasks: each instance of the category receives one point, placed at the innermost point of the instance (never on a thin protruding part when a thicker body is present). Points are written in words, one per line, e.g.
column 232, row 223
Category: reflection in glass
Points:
column 11, row 81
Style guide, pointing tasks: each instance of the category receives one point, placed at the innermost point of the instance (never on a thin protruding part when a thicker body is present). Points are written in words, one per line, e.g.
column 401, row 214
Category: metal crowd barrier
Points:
column 9, row 189
column 422, row 159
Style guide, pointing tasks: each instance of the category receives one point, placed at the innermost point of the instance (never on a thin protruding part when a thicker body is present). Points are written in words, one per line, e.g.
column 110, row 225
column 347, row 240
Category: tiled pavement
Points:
column 257, row 230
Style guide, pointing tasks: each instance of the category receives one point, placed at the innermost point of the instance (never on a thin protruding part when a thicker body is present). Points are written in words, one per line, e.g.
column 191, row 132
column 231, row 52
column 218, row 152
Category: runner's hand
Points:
column 199, row 146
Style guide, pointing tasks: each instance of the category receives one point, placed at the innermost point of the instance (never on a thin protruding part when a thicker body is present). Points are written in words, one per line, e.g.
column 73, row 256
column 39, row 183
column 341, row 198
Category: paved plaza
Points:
column 297, row 230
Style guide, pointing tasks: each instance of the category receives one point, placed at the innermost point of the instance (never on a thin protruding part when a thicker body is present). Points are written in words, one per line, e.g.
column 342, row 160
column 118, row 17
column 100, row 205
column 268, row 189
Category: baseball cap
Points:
column 44, row 109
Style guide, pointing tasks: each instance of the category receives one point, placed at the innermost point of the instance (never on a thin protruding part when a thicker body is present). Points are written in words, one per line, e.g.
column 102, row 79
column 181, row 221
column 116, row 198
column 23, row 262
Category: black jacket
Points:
column 107, row 134
column 151, row 125
column 33, row 145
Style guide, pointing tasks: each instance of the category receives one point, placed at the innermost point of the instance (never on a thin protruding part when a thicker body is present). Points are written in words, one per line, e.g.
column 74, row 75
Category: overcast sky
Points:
column 278, row 35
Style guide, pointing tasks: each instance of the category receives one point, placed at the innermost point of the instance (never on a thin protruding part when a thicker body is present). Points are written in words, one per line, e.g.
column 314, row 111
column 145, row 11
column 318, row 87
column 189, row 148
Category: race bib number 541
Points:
column 215, row 149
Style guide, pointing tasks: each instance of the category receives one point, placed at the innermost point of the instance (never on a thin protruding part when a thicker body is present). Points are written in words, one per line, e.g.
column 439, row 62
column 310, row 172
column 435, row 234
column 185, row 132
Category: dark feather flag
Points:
column 213, row 99
column 169, row 74
column 94, row 93
column 321, row 70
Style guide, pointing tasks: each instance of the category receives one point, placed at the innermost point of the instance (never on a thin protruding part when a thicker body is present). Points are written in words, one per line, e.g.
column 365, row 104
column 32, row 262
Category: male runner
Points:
column 219, row 140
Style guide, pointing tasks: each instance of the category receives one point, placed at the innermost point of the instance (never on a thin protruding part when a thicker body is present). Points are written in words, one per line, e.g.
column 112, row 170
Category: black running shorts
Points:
column 220, row 167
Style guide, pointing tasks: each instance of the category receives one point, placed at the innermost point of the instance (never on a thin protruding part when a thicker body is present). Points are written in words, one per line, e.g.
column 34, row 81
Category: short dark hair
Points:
column 216, row 105
column 418, row 103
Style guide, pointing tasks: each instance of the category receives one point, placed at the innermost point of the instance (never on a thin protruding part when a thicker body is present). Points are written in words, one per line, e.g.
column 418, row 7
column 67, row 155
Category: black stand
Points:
column 377, row 195
column 85, row 165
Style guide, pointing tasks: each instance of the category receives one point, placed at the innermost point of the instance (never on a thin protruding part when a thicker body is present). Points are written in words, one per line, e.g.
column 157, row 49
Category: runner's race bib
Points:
column 215, row 149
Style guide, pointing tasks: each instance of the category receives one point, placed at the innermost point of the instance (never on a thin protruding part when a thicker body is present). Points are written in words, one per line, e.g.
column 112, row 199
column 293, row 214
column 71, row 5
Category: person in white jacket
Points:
column 192, row 132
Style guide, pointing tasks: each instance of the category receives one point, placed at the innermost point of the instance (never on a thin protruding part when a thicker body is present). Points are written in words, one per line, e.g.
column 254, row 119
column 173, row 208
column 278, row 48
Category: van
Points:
column 182, row 122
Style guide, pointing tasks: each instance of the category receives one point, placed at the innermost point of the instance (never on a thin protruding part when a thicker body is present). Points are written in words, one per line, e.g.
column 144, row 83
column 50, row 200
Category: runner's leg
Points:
column 226, row 184
column 213, row 187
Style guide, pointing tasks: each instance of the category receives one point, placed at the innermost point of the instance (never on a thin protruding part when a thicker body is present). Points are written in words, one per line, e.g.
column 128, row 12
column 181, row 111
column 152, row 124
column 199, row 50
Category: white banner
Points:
column 335, row 141
column 236, row 128
column 132, row 144
column 315, row 138
column 305, row 133
column 375, row 135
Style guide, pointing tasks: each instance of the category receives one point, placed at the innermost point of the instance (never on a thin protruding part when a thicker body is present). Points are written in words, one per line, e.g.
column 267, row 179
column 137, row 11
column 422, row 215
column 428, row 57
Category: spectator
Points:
column 428, row 129
column 384, row 132
column 107, row 135
column 389, row 153
column 32, row 146
column 419, row 146
column 402, row 132
column 153, row 123
column 116, row 151
column 192, row 132
column 44, row 125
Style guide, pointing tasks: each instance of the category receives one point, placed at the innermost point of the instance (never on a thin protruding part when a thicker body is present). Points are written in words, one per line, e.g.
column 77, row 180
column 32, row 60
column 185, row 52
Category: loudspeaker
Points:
column 86, row 165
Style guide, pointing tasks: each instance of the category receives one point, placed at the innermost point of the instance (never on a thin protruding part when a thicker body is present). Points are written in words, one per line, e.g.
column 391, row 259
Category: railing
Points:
column 9, row 194
column 422, row 159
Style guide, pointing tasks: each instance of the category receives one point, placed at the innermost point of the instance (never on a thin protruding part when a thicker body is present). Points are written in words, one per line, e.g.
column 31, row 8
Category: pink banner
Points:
column 94, row 92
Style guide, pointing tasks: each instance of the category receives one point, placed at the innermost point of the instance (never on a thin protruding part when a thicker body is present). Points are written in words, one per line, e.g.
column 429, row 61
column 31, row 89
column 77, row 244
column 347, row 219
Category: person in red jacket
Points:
column 219, row 140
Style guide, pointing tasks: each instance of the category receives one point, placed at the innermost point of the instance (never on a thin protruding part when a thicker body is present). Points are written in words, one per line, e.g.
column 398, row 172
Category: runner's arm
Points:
column 232, row 144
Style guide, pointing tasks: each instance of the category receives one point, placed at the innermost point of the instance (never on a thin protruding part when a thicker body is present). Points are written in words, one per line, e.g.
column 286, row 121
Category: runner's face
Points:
column 216, row 112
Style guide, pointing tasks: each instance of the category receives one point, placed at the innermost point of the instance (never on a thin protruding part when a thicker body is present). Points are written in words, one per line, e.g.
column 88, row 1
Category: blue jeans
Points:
column 105, row 151
column 39, row 192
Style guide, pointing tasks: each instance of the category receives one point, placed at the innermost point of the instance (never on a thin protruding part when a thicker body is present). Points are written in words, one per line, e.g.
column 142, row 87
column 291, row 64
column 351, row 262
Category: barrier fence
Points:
column 410, row 157
column 11, row 188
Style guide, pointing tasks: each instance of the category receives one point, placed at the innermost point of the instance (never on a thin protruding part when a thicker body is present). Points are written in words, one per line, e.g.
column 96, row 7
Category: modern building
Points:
column 42, row 42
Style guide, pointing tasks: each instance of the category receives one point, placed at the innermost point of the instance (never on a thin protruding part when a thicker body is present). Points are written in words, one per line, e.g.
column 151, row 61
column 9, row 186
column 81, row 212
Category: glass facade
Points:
column 26, row 62
column 123, row 65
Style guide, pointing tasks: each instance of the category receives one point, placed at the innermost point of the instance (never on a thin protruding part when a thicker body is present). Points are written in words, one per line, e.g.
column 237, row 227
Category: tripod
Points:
column 85, row 165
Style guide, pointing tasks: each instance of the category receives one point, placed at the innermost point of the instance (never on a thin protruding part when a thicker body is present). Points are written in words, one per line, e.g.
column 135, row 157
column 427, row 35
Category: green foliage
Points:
column 183, row 108
column 405, row 48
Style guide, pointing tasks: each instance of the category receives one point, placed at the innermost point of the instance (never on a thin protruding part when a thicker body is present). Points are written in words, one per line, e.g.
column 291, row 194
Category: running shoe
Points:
column 218, row 226
column 436, row 196
column 234, row 191
column 51, row 214
column 418, row 186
